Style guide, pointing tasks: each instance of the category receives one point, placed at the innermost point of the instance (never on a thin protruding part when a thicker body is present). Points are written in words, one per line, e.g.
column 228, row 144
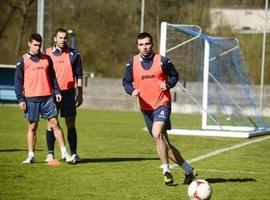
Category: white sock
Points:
column 187, row 168
column 166, row 168
column 63, row 150
column 31, row 154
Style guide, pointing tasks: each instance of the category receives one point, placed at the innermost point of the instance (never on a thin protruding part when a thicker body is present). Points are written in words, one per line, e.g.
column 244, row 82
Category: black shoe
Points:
column 190, row 177
column 168, row 179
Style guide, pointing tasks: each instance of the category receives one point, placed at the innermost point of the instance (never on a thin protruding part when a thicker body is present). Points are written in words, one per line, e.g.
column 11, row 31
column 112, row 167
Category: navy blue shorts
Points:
column 46, row 108
column 162, row 114
column 67, row 106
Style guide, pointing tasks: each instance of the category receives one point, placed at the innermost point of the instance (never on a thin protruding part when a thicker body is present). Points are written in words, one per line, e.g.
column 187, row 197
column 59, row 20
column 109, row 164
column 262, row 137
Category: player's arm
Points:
column 19, row 82
column 53, row 80
column 78, row 74
column 79, row 96
column 169, row 69
column 127, row 81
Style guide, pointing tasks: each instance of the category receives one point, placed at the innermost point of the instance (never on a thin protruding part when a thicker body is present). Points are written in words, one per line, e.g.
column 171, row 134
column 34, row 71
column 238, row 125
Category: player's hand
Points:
column 58, row 97
column 162, row 86
column 135, row 93
column 79, row 100
column 22, row 105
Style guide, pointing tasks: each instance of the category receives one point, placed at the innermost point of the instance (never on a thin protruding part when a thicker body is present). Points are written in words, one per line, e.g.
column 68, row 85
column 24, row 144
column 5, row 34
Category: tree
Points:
column 14, row 22
column 23, row 10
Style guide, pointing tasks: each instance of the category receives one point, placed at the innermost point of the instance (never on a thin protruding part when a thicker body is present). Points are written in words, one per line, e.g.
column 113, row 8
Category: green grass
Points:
column 120, row 162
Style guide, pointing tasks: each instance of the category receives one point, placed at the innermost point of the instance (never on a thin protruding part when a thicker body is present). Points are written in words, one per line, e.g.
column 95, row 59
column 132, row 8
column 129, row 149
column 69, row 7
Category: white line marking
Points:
column 219, row 151
column 231, row 171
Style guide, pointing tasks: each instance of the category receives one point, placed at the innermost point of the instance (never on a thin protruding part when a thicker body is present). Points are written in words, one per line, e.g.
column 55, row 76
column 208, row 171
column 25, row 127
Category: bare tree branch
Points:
column 26, row 4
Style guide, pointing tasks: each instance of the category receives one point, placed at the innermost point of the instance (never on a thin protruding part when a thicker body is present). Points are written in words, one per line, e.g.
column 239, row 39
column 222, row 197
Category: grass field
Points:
column 119, row 162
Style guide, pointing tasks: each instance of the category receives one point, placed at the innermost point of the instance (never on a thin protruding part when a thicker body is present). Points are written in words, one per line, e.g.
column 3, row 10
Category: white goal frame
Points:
column 208, row 130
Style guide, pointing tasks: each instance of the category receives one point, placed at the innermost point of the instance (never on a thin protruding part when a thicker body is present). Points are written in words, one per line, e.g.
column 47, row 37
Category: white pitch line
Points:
column 219, row 151
column 231, row 171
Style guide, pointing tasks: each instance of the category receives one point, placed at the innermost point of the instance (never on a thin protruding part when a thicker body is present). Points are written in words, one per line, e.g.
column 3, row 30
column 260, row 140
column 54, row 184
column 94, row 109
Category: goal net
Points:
column 214, row 81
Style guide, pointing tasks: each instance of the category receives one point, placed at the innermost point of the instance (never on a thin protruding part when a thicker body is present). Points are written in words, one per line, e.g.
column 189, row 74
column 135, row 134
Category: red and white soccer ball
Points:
column 199, row 189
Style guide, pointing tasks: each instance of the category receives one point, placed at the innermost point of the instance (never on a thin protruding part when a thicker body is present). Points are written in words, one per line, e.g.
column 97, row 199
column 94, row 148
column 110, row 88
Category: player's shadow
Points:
column 99, row 160
column 15, row 150
column 232, row 180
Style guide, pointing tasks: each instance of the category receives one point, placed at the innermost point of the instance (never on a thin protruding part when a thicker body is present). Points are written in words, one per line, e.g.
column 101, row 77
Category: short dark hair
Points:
column 60, row 30
column 144, row 35
column 35, row 36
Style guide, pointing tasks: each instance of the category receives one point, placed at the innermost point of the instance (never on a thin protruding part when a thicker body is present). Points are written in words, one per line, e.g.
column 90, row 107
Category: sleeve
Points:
column 169, row 69
column 19, row 80
column 76, row 63
column 52, row 77
column 127, row 81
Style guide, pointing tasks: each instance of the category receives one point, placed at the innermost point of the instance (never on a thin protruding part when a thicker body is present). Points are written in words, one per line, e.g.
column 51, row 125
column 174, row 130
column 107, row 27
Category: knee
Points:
column 53, row 124
column 157, row 136
column 32, row 127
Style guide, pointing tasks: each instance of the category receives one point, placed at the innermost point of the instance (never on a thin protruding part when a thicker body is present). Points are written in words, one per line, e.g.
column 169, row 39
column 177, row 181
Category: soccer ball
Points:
column 199, row 189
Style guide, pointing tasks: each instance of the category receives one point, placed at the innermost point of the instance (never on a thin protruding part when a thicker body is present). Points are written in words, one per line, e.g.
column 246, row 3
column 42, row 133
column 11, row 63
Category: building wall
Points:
column 240, row 20
column 108, row 94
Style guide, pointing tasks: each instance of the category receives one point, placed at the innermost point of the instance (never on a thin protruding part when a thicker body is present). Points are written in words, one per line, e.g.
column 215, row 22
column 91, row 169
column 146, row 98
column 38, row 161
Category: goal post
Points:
column 214, row 81
column 205, row 84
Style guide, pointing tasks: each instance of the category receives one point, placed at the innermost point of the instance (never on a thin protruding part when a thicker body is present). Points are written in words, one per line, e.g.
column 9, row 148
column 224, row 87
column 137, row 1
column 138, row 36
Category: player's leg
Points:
column 54, row 124
column 162, row 117
column 49, row 111
column 173, row 152
column 58, row 133
column 157, row 133
column 68, row 111
column 72, row 137
column 31, row 132
column 176, row 157
column 35, row 141
column 50, row 139
column 158, row 129
column 32, row 115
column 72, row 134
column 162, row 149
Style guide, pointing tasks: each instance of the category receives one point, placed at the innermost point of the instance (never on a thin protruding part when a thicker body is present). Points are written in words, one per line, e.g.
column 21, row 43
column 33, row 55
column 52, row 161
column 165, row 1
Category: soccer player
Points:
column 68, row 70
column 149, row 77
column 35, row 86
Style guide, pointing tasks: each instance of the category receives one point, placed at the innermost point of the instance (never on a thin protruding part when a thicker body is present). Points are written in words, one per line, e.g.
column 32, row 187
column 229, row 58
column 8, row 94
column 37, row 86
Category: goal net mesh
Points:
column 230, row 94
